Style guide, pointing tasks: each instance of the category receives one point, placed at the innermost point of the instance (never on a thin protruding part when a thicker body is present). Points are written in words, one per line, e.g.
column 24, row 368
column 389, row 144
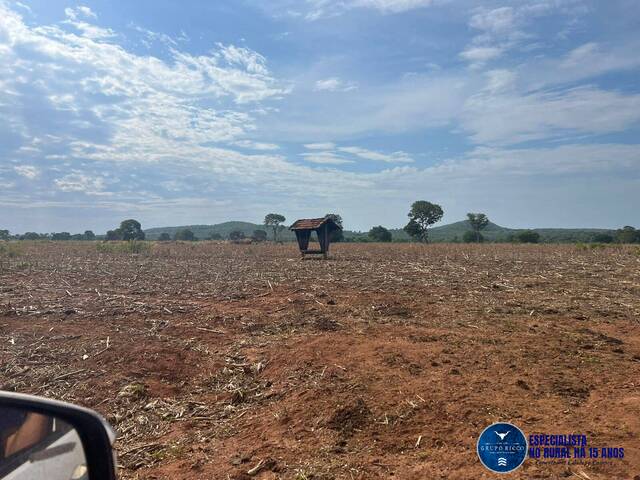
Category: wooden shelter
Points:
column 323, row 228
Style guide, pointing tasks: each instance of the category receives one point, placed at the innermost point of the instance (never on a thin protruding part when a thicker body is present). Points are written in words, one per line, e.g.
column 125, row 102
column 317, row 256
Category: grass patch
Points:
column 10, row 250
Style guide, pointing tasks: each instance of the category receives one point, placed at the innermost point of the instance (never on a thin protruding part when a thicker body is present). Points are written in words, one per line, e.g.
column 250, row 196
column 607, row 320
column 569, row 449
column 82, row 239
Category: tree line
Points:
column 422, row 216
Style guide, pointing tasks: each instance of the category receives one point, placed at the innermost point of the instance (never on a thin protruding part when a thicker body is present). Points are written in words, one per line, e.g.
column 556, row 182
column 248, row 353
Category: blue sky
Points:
column 196, row 112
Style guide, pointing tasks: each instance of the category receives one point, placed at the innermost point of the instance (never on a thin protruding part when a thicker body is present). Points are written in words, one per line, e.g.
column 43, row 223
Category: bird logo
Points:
column 502, row 435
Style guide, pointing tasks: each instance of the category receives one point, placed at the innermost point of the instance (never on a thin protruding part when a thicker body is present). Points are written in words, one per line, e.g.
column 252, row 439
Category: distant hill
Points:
column 445, row 233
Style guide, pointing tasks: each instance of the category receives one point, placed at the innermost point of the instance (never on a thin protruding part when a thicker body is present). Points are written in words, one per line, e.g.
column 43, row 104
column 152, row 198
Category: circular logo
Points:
column 502, row 447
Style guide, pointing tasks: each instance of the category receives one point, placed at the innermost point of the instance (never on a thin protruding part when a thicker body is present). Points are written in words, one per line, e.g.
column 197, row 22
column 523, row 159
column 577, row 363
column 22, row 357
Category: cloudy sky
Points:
column 197, row 112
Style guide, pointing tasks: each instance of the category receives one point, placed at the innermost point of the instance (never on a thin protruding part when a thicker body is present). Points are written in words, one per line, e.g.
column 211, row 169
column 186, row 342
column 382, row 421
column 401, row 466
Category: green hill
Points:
column 445, row 233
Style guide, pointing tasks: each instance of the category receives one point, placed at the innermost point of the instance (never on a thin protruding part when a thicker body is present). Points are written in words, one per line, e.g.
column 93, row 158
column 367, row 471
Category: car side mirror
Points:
column 47, row 439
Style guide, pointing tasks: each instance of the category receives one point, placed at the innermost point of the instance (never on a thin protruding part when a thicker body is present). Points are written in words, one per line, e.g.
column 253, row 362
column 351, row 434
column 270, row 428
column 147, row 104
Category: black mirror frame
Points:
column 95, row 433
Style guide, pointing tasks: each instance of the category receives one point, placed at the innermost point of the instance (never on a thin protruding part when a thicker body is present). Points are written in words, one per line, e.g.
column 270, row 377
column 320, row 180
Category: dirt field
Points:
column 387, row 361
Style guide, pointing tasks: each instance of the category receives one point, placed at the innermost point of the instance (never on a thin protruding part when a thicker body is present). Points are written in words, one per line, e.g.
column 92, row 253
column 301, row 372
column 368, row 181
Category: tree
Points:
column 259, row 235
column 423, row 214
column 63, row 236
column 131, row 230
column 30, row 236
column 164, row 237
column 274, row 220
column 215, row 236
column 628, row 234
column 478, row 221
column 471, row 236
column 528, row 236
column 336, row 235
column 89, row 235
column 602, row 238
column 380, row 234
column 236, row 235
column 4, row 234
column 185, row 235
column 114, row 234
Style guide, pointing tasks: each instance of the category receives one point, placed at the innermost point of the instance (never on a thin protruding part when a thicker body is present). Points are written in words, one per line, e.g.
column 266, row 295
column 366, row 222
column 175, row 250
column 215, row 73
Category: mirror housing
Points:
column 95, row 433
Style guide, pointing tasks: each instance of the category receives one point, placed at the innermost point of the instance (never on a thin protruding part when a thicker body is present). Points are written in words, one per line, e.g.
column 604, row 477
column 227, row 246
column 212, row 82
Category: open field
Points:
column 386, row 361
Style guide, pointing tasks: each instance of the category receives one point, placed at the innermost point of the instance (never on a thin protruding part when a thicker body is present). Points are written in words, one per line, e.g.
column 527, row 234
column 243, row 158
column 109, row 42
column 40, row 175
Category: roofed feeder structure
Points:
column 323, row 228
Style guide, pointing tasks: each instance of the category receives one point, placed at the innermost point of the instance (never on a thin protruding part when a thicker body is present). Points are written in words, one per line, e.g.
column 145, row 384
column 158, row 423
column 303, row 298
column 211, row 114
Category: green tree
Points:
column 185, row 235
column 628, row 234
column 527, row 236
column 4, row 235
column 471, row 236
column 380, row 234
column 89, row 235
column 478, row 221
column 259, row 235
column 131, row 230
column 423, row 214
column 274, row 220
column 30, row 236
column 602, row 238
column 63, row 236
column 164, row 237
column 336, row 235
column 114, row 234
column 236, row 235
column 215, row 236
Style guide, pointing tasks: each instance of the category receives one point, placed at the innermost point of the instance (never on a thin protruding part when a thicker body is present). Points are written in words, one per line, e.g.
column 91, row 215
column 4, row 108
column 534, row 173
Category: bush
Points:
column 528, row 236
column 164, row 237
column 130, row 246
column 602, row 238
column 185, row 235
column 259, row 235
column 236, row 235
column 380, row 234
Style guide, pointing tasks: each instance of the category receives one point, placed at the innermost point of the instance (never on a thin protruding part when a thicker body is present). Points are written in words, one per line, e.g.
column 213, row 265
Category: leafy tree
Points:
column 259, row 235
column 423, row 214
column 131, row 230
column 335, row 235
column 236, row 235
column 4, row 235
column 602, row 238
column 61, row 236
column 114, row 234
column 89, row 235
column 478, row 221
column 471, row 236
column 164, row 237
column 380, row 234
column 528, row 236
column 628, row 234
column 185, row 235
column 273, row 220
column 30, row 236
column 215, row 236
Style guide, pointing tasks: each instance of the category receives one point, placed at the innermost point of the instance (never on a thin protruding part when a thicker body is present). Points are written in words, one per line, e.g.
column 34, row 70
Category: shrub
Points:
column 528, row 236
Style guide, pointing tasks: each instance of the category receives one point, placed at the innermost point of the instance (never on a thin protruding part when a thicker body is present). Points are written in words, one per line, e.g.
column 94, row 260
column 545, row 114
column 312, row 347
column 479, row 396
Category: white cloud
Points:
column 320, row 146
column 78, row 182
column 334, row 84
column 81, row 11
column 325, row 158
column 27, row 171
column 500, row 80
column 511, row 118
column 481, row 55
column 330, row 8
column 250, row 144
column 395, row 157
